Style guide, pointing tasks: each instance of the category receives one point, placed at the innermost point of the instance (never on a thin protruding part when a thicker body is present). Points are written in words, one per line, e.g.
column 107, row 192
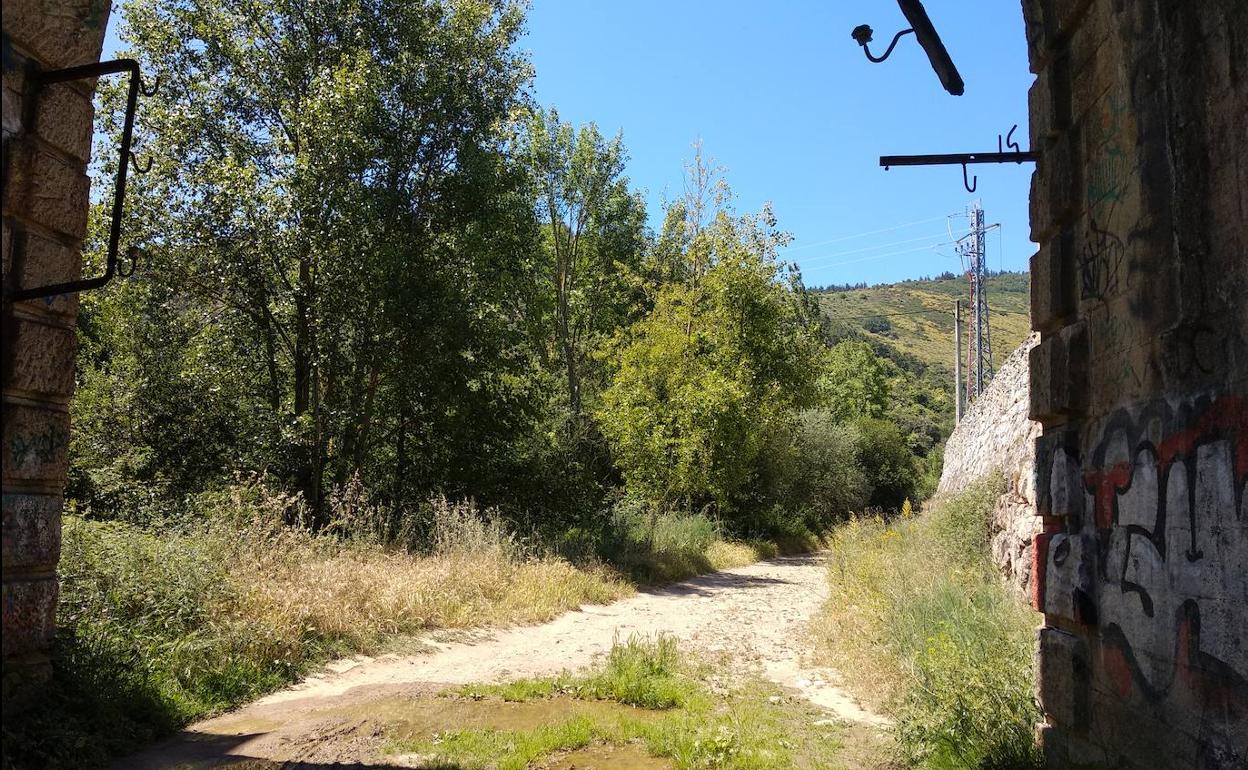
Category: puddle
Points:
column 604, row 757
column 408, row 718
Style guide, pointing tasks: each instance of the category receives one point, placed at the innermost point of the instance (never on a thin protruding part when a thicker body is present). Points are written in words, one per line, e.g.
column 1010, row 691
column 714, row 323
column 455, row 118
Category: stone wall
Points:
column 996, row 435
column 47, row 141
column 1140, row 292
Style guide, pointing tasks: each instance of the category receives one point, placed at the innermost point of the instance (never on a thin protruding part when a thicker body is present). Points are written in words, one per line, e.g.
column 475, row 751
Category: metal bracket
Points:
column 965, row 159
column 927, row 36
column 125, row 156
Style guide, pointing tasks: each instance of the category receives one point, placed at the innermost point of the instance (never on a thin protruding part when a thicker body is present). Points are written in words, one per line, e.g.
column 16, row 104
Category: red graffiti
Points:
column 1228, row 416
column 1105, row 485
column 1040, row 560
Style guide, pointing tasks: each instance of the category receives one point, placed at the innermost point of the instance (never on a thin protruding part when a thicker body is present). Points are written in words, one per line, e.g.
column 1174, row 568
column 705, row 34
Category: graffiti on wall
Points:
column 1107, row 139
column 1100, row 263
column 1156, row 553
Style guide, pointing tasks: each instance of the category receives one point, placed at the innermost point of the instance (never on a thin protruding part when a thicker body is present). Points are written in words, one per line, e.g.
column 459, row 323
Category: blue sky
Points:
column 783, row 98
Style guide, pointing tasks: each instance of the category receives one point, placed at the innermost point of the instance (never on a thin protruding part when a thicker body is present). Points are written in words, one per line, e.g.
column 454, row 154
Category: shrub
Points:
column 831, row 481
column 658, row 546
column 887, row 463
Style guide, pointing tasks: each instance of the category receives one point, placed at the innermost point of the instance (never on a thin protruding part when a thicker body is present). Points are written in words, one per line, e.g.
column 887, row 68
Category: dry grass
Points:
column 360, row 593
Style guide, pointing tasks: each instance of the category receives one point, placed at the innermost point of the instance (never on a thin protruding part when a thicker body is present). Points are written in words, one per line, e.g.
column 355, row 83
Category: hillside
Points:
column 929, row 335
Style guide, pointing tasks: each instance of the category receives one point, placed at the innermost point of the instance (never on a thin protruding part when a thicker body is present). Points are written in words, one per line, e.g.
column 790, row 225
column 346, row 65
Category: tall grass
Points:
column 159, row 627
column 919, row 621
column 166, row 623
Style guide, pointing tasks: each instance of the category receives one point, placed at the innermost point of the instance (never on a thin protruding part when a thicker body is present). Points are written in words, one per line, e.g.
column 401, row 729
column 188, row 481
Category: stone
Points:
column 36, row 442
column 64, row 119
column 43, row 357
column 59, row 195
column 29, row 614
column 995, row 435
column 32, row 531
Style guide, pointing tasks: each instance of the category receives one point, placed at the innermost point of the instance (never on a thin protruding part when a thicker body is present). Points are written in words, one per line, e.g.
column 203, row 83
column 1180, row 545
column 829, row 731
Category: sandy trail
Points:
column 753, row 616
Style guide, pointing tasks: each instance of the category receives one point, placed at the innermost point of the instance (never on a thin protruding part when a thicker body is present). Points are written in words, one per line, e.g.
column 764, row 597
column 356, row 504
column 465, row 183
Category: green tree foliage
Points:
column 336, row 245
column 854, row 382
column 594, row 240
column 724, row 360
column 370, row 261
column 887, row 462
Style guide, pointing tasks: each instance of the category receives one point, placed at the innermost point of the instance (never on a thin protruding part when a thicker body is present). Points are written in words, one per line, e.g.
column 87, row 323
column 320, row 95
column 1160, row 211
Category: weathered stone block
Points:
column 1089, row 32
column 12, row 110
column 32, row 531
column 29, row 614
column 1040, row 109
column 1062, row 678
column 35, row 445
column 43, row 359
column 1059, row 475
column 1052, row 282
column 60, row 33
column 1059, row 367
column 59, row 195
column 49, row 262
column 1070, row 578
column 64, row 120
column 1066, row 15
column 1054, row 198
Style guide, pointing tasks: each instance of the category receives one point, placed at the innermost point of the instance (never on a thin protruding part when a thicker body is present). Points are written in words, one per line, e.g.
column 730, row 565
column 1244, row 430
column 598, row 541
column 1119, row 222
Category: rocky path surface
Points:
column 754, row 617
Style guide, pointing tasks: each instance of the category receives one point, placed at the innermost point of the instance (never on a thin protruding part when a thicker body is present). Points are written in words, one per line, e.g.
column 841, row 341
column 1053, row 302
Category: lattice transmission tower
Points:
column 979, row 355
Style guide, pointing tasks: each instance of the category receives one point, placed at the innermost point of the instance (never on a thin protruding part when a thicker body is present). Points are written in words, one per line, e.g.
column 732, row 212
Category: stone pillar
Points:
column 1139, row 205
column 47, row 142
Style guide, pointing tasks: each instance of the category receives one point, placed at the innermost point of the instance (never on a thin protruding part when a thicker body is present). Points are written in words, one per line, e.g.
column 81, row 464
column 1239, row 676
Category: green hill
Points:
column 916, row 317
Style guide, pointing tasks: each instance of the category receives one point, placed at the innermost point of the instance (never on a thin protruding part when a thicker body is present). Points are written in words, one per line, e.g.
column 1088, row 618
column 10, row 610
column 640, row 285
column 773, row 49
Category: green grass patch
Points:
column 640, row 672
column 921, row 623
column 749, row 728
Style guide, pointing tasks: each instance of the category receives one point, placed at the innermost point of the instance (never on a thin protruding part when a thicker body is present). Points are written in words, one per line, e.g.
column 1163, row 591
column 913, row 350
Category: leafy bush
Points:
column 831, row 480
column 919, row 620
column 887, row 463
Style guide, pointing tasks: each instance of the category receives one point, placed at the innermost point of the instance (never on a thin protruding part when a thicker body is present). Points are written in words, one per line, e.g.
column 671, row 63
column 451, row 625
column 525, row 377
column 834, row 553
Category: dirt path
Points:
column 753, row 616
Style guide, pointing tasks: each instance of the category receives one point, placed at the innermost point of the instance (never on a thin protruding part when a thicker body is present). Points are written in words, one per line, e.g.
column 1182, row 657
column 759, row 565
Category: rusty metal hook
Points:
column 969, row 185
column 132, row 254
column 139, row 168
column 1009, row 141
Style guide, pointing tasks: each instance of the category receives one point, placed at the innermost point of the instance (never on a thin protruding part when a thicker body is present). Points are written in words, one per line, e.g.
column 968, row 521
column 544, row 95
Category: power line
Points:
column 882, row 315
column 879, row 256
column 873, row 232
column 876, row 247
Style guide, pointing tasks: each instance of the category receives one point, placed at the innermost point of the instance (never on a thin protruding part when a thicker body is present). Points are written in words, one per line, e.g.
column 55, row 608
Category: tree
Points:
column 854, row 381
column 594, row 239
column 887, row 462
column 332, row 221
column 723, row 360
